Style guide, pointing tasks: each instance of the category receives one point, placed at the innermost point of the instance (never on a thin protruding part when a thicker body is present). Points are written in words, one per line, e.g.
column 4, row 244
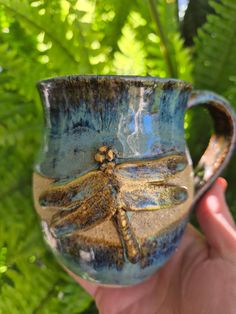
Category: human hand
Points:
column 199, row 279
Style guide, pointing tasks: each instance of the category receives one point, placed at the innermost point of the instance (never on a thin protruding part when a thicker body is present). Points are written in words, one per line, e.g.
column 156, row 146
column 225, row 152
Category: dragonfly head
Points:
column 106, row 157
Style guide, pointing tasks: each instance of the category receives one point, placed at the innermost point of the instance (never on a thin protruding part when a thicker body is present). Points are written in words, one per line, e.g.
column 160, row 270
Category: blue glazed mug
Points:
column 114, row 183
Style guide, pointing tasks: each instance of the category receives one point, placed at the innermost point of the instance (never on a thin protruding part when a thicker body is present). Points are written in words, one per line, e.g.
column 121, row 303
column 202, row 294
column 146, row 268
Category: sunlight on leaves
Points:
column 131, row 58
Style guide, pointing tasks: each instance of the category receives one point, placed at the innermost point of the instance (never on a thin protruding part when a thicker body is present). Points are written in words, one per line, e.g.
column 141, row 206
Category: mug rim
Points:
column 167, row 82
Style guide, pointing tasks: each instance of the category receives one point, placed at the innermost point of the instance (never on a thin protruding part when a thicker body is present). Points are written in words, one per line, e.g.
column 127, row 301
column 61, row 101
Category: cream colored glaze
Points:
column 144, row 224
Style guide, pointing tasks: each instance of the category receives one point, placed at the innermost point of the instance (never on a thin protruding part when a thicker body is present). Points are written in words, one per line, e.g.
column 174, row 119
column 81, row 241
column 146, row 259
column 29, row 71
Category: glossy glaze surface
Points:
column 113, row 184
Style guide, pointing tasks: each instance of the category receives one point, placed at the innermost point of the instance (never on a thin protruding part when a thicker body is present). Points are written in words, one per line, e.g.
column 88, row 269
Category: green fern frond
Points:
column 33, row 19
column 130, row 60
column 30, row 279
column 180, row 57
column 111, row 17
column 215, row 64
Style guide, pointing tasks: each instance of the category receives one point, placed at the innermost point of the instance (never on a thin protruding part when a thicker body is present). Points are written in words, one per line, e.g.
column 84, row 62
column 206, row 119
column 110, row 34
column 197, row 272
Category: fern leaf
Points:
column 131, row 57
column 215, row 64
column 29, row 18
column 180, row 56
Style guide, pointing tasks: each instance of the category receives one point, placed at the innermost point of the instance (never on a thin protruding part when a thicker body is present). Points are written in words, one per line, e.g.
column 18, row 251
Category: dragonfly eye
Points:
column 110, row 155
column 100, row 158
column 103, row 149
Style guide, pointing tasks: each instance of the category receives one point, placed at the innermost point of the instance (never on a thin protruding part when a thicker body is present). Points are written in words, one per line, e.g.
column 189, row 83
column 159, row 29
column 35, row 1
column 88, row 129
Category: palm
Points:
column 200, row 278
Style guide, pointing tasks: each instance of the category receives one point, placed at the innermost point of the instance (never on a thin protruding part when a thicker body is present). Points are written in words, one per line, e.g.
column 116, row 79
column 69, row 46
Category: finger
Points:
column 222, row 185
column 217, row 223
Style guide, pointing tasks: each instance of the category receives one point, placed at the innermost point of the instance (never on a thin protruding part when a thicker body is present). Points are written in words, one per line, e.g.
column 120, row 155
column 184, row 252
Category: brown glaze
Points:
column 101, row 204
column 222, row 142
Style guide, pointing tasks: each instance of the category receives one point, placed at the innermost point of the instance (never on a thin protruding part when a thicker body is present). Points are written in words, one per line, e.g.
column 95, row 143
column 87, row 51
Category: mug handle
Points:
column 222, row 142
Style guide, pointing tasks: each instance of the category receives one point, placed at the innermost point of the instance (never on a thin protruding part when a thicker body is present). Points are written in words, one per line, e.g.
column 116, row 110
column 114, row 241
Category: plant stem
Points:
column 177, row 12
column 163, row 38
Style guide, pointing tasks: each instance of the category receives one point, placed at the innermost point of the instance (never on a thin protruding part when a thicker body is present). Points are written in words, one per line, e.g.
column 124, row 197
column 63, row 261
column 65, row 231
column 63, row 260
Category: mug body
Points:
column 113, row 183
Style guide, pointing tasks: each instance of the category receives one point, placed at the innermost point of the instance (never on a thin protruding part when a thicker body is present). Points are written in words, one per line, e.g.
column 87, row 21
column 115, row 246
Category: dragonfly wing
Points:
column 61, row 196
column 93, row 200
column 152, row 170
column 150, row 197
column 91, row 212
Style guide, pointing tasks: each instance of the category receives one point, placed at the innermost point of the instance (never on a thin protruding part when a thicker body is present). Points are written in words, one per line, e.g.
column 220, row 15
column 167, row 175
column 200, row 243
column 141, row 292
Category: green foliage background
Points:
column 41, row 39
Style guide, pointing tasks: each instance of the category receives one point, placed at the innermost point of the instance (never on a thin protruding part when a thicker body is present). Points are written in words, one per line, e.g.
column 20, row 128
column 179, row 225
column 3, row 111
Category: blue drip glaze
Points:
column 102, row 270
column 140, row 120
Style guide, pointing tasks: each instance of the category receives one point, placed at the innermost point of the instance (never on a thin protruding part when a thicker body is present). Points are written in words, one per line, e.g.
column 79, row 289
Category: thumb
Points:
column 217, row 223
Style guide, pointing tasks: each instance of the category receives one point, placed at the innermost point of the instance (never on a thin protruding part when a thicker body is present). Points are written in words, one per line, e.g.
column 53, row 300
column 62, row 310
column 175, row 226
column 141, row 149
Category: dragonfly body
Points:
column 112, row 191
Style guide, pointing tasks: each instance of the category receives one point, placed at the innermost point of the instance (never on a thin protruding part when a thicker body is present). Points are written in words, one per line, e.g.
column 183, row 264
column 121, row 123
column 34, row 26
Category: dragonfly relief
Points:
column 113, row 192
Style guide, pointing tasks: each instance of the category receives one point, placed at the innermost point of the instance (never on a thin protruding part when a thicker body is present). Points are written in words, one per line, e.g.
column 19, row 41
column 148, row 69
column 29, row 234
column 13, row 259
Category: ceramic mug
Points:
column 114, row 183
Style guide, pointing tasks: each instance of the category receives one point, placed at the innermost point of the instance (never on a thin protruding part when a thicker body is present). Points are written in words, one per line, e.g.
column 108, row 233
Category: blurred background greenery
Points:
column 41, row 39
